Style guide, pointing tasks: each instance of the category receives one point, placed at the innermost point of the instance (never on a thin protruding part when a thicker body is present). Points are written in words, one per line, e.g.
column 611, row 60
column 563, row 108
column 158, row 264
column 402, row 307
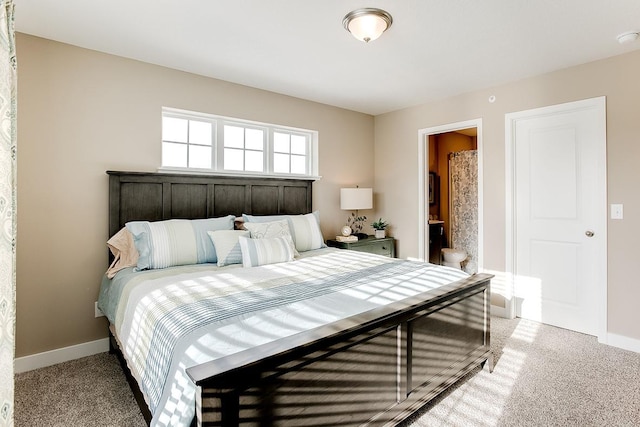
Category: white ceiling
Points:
column 434, row 49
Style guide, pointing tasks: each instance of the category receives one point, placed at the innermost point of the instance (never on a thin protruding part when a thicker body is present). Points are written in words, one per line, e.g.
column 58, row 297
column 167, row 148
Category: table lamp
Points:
column 354, row 199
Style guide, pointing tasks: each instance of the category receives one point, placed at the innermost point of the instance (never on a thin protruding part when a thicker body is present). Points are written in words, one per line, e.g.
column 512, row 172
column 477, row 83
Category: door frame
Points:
column 511, row 119
column 423, row 188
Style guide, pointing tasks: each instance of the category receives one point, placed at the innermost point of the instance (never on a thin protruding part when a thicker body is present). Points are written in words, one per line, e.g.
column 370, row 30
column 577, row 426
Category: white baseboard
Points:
column 623, row 342
column 613, row 340
column 499, row 311
column 53, row 357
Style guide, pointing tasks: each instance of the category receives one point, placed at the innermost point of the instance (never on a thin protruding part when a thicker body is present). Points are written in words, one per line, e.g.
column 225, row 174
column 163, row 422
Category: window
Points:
column 187, row 142
column 289, row 153
column 243, row 148
column 202, row 142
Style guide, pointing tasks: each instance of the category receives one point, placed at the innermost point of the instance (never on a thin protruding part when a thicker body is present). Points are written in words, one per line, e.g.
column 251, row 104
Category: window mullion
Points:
column 268, row 150
column 214, row 145
column 220, row 146
column 188, row 143
column 244, row 148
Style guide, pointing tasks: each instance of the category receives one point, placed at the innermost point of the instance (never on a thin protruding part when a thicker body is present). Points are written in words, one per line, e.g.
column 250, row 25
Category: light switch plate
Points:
column 616, row 211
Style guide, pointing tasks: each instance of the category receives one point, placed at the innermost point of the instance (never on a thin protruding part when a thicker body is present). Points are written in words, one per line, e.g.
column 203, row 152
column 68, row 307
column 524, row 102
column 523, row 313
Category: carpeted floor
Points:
column 543, row 376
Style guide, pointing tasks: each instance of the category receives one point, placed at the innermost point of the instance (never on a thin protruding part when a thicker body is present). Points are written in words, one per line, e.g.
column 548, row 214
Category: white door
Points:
column 559, row 156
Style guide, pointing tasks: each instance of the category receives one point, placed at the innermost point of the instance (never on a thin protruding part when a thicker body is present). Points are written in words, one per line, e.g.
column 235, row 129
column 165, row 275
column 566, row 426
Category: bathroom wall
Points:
column 434, row 209
column 440, row 146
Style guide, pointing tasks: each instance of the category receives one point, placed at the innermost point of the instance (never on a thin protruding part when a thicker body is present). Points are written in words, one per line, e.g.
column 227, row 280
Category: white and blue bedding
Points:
column 170, row 319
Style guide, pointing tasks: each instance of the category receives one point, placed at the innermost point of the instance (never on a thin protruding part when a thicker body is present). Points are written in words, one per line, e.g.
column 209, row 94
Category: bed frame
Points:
column 375, row 368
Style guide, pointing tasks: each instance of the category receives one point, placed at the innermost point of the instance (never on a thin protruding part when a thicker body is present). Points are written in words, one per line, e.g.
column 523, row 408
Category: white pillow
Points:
column 257, row 252
column 268, row 230
column 304, row 229
column 227, row 245
column 307, row 231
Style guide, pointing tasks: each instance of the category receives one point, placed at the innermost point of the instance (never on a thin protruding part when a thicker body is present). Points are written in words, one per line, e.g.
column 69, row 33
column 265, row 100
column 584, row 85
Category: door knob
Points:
column 589, row 233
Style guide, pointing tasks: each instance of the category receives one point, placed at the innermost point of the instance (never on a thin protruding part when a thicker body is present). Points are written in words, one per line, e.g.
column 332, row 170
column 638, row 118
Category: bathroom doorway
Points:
column 451, row 192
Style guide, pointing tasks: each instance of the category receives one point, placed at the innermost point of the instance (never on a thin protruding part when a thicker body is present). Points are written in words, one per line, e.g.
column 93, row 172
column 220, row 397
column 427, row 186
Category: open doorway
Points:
column 451, row 195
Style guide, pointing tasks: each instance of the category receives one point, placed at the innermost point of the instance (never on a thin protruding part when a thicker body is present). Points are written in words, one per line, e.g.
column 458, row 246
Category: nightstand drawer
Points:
column 379, row 248
column 384, row 246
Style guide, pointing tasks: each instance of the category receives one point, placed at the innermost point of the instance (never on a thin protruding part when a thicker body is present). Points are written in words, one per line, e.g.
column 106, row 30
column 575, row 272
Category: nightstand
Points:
column 385, row 246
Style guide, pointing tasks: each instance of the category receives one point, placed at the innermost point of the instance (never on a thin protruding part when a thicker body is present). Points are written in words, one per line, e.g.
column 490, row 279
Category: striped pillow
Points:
column 227, row 246
column 257, row 252
column 305, row 229
column 164, row 244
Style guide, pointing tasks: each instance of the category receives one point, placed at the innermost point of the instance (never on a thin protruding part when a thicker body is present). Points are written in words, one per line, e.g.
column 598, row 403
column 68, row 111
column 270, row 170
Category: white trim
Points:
column 423, row 162
column 53, row 357
column 217, row 144
column 65, row 354
column 510, row 216
column 612, row 340
column 499, row 311
column 622, row 342
column 243, row 174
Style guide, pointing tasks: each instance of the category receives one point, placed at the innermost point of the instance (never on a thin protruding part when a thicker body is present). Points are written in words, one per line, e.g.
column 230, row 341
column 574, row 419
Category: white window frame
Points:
column 179, row 114
column 217, row 161
column 221, row 147
column 290, row 132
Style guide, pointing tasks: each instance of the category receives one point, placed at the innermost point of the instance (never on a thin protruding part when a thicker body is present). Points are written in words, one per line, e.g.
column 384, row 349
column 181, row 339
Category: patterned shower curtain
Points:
column 463, row 209
column 8, row 90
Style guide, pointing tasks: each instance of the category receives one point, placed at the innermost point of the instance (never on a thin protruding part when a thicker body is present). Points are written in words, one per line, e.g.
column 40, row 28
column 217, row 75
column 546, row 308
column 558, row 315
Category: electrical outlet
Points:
column 97, row 310
column 616, row 211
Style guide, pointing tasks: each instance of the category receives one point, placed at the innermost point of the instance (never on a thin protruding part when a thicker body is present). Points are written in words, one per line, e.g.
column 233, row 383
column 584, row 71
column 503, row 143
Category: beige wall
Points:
column 396, row 141
column 81, row 113
column 447, row 143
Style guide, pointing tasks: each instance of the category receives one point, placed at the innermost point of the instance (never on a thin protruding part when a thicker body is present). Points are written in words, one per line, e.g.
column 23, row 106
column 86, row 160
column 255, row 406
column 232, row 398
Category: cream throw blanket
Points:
column 124, row 252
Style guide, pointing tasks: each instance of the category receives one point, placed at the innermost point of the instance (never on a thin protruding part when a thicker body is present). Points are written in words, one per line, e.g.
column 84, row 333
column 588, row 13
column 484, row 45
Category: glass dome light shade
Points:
column 367, row 24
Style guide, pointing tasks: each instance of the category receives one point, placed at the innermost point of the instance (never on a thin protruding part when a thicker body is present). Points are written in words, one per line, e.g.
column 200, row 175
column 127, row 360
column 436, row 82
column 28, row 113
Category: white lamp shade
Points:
column 356, row 198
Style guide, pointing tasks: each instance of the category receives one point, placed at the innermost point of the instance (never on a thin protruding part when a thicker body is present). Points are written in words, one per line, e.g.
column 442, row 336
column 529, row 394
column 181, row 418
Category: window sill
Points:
column 244, row 174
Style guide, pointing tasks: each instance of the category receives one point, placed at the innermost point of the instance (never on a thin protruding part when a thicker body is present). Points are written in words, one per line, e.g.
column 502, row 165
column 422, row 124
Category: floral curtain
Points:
column 8, row 109
column 463, row 212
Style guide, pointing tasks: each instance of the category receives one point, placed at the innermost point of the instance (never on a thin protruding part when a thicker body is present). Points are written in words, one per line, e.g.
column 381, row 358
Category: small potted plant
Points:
column 380, row 226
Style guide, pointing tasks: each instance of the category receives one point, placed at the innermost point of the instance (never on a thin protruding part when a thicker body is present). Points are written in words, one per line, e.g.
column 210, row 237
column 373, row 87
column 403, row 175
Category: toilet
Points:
column 453, row 257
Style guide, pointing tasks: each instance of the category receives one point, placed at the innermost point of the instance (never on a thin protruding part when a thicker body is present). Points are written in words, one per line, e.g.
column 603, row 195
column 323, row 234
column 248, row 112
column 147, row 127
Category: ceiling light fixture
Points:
column 628, row 37
column 367, row 24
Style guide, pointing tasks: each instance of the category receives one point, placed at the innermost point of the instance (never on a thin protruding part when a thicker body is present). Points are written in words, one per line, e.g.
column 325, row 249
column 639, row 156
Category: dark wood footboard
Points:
column 376, row 368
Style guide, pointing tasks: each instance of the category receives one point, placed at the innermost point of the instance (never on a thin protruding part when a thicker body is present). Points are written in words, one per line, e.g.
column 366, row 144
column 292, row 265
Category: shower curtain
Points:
column 7, row 209
column 463, row 206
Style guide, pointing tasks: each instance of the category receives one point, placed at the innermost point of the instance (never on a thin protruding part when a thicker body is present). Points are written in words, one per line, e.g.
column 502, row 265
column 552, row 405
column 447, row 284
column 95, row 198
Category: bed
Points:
column 333, row 338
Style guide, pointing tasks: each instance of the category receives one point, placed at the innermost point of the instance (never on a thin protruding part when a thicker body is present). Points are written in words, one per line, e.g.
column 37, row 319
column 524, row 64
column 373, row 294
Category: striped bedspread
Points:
column 171, row 319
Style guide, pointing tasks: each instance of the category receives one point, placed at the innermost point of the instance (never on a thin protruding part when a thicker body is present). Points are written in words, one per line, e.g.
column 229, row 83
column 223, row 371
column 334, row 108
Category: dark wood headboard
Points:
column 148, row 196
